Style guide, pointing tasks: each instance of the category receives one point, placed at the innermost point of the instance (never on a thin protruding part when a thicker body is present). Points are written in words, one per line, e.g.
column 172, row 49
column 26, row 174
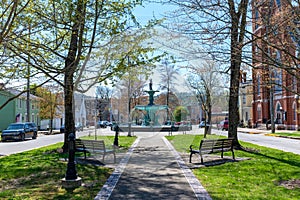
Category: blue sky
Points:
column 145, row 13
column 148, row 10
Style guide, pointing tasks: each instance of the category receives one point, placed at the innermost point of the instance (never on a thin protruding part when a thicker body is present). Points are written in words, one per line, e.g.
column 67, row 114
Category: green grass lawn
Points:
column 294, row 134
column 37, row 174
column 259, row 177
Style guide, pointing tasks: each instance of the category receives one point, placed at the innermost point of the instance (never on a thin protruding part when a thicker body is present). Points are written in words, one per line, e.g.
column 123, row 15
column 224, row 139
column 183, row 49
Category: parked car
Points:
column 109, row 123
column 19, row 131
column 102, row 124
column 62, row 129
column 113, row 126
column 79, row 127
column 202, row 124
column 223, row 125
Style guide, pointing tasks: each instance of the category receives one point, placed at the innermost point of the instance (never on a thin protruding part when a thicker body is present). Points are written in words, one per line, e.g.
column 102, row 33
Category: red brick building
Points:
column 275, row 66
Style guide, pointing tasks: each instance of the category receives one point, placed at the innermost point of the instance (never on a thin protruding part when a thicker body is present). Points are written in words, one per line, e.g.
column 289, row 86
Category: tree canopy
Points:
column 75, row 44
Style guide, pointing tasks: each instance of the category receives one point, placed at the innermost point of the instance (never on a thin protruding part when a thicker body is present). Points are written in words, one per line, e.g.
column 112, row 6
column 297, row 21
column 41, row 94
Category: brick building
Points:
column 274, row 50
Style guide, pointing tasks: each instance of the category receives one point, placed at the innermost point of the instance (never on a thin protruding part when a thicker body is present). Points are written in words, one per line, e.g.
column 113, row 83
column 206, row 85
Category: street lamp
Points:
column 71, row 180
column 96, row 109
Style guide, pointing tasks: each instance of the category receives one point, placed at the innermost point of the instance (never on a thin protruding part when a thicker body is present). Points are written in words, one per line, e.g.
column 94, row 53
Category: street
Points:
column 284, row 144
column 11, row 147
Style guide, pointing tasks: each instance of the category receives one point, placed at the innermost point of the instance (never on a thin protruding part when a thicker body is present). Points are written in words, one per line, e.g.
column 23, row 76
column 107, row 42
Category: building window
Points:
column 278, row 2
column 246, row 116
column 32, row 117
column 258, row 85
column 256, row 18
column 294, row 111
column 20, row 103
column 278, row 74
column 278, row 80
column 259, row 111
column 297, row 54
column 275, row 29
column 294, row 84
column 244, row 98
column 32, row 105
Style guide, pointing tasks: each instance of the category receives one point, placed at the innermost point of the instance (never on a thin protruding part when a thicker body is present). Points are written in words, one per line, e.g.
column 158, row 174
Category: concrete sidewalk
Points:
column 152, row 169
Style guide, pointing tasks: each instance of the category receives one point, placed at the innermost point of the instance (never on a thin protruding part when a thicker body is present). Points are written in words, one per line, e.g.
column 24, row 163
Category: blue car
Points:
column 202, row 124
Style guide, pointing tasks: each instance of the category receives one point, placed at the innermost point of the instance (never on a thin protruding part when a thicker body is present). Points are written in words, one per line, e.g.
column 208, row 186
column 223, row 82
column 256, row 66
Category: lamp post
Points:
column 96, row 112
column 297, row 111
column 71, row 170
column 71, row 180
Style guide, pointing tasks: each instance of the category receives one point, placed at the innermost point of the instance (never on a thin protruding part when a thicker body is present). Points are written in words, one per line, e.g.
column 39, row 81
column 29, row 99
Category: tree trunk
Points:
column 237, row 40
column 71, row 64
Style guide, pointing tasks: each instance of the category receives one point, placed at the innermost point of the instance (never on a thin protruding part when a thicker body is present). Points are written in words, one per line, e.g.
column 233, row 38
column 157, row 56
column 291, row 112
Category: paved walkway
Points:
column 150, row 170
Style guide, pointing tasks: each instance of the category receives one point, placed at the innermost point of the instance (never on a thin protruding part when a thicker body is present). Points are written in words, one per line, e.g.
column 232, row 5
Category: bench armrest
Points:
column 191, row 147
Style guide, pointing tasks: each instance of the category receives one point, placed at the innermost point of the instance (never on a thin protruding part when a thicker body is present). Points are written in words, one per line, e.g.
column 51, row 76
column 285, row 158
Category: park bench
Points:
column 96, row 147
column 79, row 147
column 213, row 146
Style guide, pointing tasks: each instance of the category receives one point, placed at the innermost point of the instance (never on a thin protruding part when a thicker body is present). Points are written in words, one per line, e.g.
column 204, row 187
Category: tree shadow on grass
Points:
column 289, row 158
column 89, row 161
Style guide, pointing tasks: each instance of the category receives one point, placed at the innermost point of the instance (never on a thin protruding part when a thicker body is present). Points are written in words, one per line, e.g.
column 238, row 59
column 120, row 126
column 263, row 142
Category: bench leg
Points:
column 191, row 157
column 233, row 155
column 201, row 158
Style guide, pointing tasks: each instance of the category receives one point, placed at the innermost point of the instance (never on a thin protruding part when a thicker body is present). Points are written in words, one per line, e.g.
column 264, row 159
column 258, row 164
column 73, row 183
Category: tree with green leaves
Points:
column 77, row 44
column 51, row 103
column 180, row 113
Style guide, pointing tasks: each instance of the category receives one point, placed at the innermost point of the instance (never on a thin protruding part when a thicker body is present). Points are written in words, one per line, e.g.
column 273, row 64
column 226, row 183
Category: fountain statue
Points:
column 151, row 115
column 151, row 93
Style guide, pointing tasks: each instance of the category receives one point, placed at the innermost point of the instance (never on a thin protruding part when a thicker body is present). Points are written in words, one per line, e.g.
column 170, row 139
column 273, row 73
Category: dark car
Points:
column 223, row 125
column 62, row 129
column 19, row 131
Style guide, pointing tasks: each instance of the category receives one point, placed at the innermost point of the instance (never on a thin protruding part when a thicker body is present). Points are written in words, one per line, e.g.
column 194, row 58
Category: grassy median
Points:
column 285, row 134
column 37, row 174
column 265, row 174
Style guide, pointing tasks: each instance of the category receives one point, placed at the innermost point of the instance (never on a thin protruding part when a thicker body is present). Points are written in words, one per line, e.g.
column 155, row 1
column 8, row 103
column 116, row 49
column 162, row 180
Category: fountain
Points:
column 149, row 117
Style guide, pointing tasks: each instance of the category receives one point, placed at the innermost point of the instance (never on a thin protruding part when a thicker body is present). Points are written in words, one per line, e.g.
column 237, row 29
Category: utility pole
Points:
column 28, row 85
column 270, row 73
column 129, row 103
